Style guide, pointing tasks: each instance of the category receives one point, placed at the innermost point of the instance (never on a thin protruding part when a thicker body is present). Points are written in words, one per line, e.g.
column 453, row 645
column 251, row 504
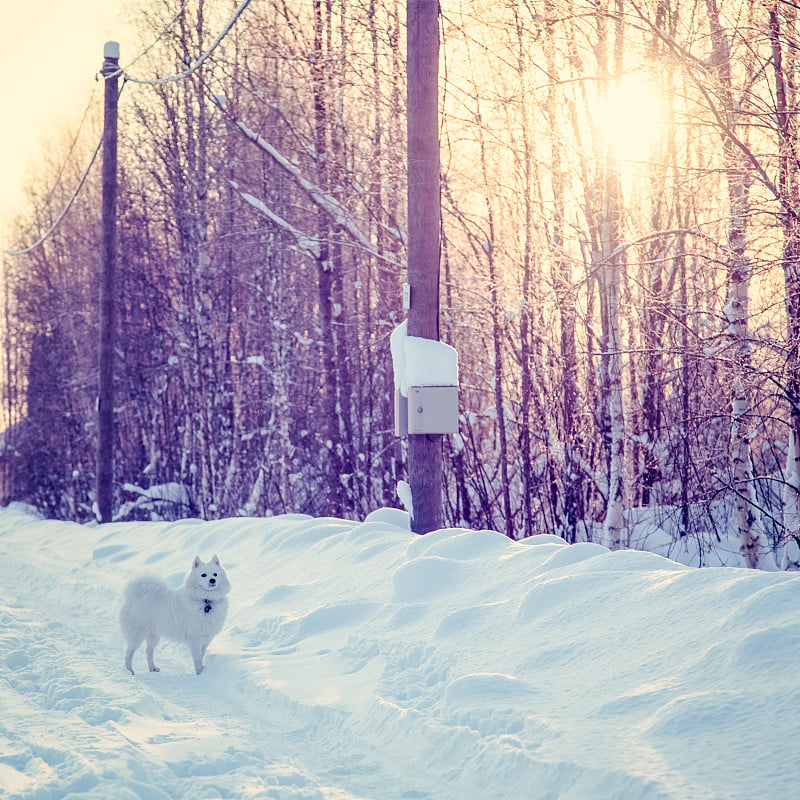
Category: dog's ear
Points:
column 215, row 560
column 197, row 562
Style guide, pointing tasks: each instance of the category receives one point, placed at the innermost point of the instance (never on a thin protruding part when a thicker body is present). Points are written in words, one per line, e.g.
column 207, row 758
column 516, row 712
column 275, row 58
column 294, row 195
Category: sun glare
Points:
column 631, row 117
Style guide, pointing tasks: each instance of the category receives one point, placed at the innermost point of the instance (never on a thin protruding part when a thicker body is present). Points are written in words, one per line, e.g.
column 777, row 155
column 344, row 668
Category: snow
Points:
column 155, row 500
column 362, row 661
column 405, row 497
column 430, row 363
column 397, row 345
column 421, row 362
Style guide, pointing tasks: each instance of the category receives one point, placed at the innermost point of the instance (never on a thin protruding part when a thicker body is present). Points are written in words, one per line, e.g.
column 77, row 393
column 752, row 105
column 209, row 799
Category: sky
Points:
column 50, row 51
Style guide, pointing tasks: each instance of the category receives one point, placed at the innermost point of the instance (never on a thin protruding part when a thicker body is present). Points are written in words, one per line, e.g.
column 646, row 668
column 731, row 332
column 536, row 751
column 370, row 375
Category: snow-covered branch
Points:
column 322, row 199
column 306, row 244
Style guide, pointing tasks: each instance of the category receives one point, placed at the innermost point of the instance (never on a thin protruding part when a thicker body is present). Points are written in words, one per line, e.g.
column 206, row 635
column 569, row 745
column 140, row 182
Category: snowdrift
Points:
column 361, row 661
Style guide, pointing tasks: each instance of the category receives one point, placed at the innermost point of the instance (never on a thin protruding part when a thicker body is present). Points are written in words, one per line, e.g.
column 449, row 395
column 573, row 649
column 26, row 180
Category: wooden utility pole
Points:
column 424, row 450
column 105, row 404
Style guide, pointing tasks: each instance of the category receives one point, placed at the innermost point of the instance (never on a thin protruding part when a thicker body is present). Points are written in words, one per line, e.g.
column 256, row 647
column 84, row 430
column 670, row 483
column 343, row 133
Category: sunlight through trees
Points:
column 619, row 268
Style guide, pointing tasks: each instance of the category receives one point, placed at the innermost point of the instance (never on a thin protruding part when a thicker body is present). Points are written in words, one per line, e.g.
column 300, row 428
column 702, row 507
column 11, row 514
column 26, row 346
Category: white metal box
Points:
column 432, row 409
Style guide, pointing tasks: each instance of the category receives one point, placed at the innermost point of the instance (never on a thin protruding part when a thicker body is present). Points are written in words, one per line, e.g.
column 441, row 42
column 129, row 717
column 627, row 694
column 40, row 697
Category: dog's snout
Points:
column 212, row 581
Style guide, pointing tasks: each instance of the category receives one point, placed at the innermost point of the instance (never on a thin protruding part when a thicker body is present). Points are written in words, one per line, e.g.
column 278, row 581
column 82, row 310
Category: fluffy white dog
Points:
column 193, row 614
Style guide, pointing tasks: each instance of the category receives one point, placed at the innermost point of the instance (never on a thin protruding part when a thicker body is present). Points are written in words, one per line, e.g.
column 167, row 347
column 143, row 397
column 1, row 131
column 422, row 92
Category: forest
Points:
column 620, row 270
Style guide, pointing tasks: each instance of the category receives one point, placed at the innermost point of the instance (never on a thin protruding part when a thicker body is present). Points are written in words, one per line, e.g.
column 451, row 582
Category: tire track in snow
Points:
column 68, row 670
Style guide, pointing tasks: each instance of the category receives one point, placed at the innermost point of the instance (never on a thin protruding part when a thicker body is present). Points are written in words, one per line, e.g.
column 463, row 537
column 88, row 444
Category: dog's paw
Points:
column 154, row 668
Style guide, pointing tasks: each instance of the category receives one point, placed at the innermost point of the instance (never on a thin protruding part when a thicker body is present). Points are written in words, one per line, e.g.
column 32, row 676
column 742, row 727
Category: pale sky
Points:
column 50, row 51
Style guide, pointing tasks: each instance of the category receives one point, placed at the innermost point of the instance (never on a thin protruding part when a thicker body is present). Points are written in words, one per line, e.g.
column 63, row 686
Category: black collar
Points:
column 207, row 607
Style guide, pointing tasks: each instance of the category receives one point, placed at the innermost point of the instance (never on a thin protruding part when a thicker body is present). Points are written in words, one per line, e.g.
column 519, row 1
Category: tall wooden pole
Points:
column 105, row 405
column 424, row 450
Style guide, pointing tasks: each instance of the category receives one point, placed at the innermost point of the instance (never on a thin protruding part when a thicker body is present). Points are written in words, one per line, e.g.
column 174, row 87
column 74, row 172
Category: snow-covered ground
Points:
column 361, row 661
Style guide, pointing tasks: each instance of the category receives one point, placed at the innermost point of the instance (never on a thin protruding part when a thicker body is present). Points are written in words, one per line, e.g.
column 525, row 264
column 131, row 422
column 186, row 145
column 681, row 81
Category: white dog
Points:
column 193, row 614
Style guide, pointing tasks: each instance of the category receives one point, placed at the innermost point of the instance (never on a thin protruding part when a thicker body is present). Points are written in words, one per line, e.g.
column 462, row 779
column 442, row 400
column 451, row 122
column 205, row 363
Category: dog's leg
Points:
column 152, row 641
column 132, row 645
column 198, row 651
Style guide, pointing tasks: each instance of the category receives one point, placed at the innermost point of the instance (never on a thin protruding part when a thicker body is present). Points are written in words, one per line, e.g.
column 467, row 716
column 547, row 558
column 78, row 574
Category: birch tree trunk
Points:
column 784, row 63
column 381, row 311
column 609, row 271
column 330, row 428
column 736, row 309
column 610, row 274
column 573, row 511
column 528, row 300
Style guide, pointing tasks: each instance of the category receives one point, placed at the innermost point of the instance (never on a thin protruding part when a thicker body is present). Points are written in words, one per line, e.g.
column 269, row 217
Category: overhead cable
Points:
column 158, row 38
column 146, row 82
column 57, row 181
column 197, row 63
column 63, row 213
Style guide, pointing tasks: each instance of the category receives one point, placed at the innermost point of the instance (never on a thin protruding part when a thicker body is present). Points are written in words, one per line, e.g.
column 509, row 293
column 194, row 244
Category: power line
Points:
column 199, row 61
column 160, row 35
column 63, row 213
column 57, row 181
column 146, row 82
column 72, row 146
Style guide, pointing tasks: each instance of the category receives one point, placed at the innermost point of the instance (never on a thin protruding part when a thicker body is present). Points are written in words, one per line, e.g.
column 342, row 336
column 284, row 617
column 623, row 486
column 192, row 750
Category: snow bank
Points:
column 361, row 661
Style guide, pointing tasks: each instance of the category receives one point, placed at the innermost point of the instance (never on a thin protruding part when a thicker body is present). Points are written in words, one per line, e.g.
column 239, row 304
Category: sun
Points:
column 631, row 117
